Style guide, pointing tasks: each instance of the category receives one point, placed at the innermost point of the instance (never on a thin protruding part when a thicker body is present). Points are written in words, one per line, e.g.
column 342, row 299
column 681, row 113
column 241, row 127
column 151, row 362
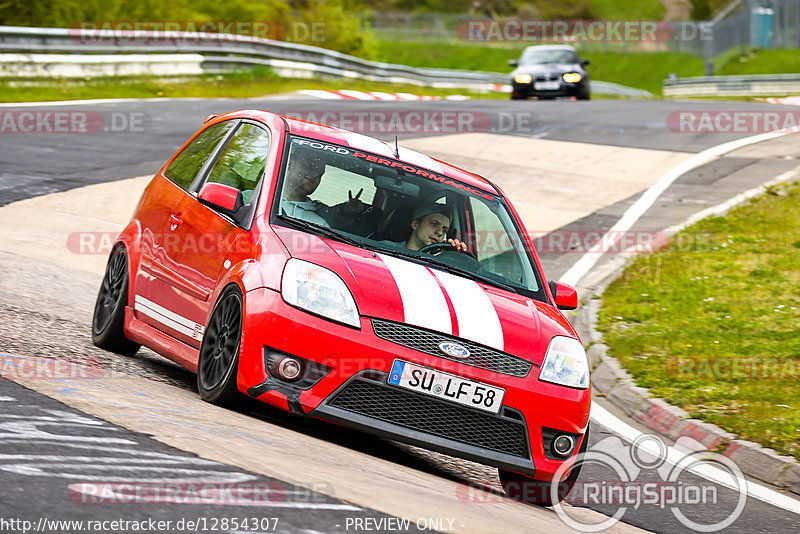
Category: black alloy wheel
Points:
column 219, row 353
column 109, row 309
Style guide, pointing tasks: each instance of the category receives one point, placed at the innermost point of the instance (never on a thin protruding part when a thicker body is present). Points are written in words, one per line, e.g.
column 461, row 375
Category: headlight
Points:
column 571, row 77
column 523, row 78
column 565, row 363
column 318, row 290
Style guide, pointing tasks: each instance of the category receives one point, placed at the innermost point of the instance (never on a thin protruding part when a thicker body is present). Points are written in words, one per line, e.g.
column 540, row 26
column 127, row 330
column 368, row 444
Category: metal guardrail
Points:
column 226, row 51
column 749, row 85
column 615, row 89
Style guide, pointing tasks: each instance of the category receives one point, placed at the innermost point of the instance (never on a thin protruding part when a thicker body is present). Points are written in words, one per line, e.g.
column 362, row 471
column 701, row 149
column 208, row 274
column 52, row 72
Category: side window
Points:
column 187, row 164
column 241, row 163
column 490, row 236
column 495, row 247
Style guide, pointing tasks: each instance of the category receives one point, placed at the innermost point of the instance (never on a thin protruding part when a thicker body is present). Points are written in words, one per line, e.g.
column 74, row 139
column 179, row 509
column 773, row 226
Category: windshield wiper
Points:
column 320, row 229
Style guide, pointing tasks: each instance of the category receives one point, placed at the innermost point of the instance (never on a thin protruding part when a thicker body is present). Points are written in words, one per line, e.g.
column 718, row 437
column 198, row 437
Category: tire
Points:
column 517, row 97
column 528, row 490
column 108, row 319
column 218, row 362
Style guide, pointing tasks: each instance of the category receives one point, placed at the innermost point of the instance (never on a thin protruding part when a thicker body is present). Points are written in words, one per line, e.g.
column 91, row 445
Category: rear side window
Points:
column 187, row 164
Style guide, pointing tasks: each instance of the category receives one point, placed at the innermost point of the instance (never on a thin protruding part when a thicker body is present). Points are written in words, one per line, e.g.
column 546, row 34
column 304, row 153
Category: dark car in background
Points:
column 549, row 71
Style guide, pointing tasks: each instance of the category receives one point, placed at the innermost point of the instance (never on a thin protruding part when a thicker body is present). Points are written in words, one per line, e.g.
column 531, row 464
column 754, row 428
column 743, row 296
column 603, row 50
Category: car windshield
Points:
column 539, row 57
column 404, row 207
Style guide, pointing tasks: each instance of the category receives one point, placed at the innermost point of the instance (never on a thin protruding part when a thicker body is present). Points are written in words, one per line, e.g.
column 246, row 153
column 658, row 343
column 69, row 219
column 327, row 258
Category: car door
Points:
column 205, row 241
column 152, row 285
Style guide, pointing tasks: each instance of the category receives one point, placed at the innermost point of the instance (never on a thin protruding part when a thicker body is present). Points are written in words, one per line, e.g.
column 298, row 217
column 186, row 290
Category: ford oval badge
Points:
column 454, row 349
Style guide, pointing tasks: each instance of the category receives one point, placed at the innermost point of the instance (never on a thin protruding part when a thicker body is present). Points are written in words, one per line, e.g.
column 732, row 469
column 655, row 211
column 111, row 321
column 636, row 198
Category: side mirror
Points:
column 513, row 63
column 221, row 197
column 584, row 62
column 565, row 296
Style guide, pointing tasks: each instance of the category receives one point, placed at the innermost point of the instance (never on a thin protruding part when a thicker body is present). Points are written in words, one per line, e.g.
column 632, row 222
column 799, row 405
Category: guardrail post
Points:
column 707, row 30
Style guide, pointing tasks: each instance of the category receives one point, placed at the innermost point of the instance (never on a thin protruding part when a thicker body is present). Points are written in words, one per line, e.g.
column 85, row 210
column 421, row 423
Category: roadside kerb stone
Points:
column 792, row 478
column 612, row 381
column 751, row 456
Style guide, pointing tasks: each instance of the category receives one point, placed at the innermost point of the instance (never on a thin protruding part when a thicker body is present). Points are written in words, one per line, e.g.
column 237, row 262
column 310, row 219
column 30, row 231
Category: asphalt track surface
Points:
column 37, row 164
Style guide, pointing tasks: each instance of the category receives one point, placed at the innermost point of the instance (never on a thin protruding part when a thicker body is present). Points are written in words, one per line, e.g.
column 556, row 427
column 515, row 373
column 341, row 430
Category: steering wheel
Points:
column 438, row 248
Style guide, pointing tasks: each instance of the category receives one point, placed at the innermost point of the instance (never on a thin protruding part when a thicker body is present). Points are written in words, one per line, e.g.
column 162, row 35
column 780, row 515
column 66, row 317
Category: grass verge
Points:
column 255, row 83
column 710, row 324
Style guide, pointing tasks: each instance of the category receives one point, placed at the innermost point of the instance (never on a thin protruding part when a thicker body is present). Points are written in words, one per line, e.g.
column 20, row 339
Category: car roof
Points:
column 331, row 134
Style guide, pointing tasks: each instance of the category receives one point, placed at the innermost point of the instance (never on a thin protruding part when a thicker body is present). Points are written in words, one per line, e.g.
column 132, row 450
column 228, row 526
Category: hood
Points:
column 404, row 291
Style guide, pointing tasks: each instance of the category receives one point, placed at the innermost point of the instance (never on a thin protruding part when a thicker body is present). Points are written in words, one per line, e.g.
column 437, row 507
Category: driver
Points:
column 303, row 176
column 429, row 225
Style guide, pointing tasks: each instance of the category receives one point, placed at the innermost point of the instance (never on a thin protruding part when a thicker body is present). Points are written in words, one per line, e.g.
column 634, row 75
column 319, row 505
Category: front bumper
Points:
column 367, row 403
column 526, row 90
column 354, row 391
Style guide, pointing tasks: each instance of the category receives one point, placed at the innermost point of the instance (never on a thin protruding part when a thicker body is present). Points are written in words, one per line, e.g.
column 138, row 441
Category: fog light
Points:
column 562, row 445
column 288, row 368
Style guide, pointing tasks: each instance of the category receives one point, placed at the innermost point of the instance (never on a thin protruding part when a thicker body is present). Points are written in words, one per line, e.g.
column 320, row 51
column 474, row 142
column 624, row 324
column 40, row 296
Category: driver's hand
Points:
column 354, row 205
column 458, row 245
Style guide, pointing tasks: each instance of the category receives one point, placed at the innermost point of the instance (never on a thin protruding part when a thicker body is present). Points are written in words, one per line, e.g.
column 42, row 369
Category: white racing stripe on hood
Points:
column 370, row 144
column 477, row 317
column 422, row 160
column 423, row 301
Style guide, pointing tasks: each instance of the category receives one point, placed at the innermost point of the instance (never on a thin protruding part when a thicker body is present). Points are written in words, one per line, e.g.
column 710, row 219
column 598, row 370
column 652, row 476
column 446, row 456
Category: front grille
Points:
column 423, row 414
column 428, row 342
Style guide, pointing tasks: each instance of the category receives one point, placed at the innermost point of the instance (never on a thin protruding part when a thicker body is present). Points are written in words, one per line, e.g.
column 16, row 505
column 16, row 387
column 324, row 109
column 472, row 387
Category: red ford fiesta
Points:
column 339, row 277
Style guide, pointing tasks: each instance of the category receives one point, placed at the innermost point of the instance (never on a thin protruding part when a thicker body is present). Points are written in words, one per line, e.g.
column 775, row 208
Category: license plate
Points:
column 547, row 86
column 446, row 386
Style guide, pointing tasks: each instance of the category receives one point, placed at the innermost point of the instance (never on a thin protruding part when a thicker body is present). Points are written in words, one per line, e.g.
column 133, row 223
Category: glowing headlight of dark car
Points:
column 565, row 363
column 523, row 78
column 571, row 77
column 318, row 290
